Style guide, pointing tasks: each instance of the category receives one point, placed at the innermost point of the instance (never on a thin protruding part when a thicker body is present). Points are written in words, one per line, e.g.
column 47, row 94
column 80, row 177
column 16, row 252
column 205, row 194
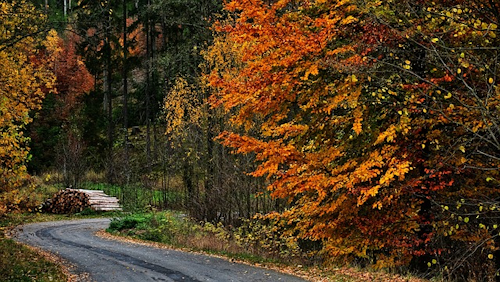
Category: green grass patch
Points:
column 138, row 198
column 166, row 227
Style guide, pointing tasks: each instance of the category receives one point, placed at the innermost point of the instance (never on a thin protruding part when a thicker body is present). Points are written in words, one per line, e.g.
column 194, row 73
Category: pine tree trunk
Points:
column 125, row 93
column 109, row 100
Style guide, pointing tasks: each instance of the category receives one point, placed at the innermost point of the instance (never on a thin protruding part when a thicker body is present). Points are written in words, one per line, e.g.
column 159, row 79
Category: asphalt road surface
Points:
column 110, row 260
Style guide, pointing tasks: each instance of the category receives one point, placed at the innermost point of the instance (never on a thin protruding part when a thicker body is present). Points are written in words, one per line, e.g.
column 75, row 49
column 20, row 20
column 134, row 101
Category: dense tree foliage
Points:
column 376, row 120
column 54, row 124
column 25, row 79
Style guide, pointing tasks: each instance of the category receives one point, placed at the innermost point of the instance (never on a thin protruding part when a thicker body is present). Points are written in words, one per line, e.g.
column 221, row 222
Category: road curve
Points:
column 110, row 260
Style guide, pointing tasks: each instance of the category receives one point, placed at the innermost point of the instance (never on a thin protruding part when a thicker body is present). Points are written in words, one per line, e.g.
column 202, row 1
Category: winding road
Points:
column 110, row 260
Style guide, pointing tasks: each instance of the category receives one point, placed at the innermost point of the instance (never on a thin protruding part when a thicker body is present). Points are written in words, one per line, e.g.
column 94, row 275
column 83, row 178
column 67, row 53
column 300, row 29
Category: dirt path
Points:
column 109, row 260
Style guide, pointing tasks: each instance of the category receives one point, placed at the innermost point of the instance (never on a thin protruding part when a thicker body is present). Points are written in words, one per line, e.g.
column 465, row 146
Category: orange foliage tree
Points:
column 373, row 119
column 301, row 81
column 73, row 78
column 24, row 82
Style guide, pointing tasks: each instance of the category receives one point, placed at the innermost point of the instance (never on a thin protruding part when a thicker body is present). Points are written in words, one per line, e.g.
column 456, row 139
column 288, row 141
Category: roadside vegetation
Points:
column 255, row 242
column 19, row 263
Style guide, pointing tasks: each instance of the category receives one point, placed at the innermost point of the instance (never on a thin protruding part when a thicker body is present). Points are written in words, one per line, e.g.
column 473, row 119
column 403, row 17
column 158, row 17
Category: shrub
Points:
column 128, row 222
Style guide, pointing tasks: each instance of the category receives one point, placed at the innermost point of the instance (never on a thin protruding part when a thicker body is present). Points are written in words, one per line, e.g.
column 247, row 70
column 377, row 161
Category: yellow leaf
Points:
column 490, row 80
column 434, row 40
column 357, row 127
column 314, row 70
column 462, row 148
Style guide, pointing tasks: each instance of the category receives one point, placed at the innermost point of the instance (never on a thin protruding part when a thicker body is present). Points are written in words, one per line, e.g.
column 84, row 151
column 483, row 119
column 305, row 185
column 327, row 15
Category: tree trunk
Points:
column 125, row 93
column 148, row 94
column 187, row 175
column 109, row 99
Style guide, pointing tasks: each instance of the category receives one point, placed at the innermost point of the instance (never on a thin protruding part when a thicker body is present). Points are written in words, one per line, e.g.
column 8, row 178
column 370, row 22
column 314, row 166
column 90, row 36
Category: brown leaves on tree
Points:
column 73, row 78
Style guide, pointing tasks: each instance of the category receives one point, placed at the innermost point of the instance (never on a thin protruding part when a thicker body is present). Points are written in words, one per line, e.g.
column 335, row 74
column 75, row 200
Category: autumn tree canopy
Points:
column 377, row 121
column 25, row 79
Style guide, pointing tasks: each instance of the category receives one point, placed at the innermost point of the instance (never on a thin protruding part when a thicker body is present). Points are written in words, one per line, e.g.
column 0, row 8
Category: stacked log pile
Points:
column 77, row 200
column 67, row 201
column 99, row 201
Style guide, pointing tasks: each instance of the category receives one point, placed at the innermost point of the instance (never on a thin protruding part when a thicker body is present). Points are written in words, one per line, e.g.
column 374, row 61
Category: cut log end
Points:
column 76, row 200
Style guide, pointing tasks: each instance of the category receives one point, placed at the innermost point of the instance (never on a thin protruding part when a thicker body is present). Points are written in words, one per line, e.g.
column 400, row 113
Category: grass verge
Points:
column 255, row 244
column 20, row 263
